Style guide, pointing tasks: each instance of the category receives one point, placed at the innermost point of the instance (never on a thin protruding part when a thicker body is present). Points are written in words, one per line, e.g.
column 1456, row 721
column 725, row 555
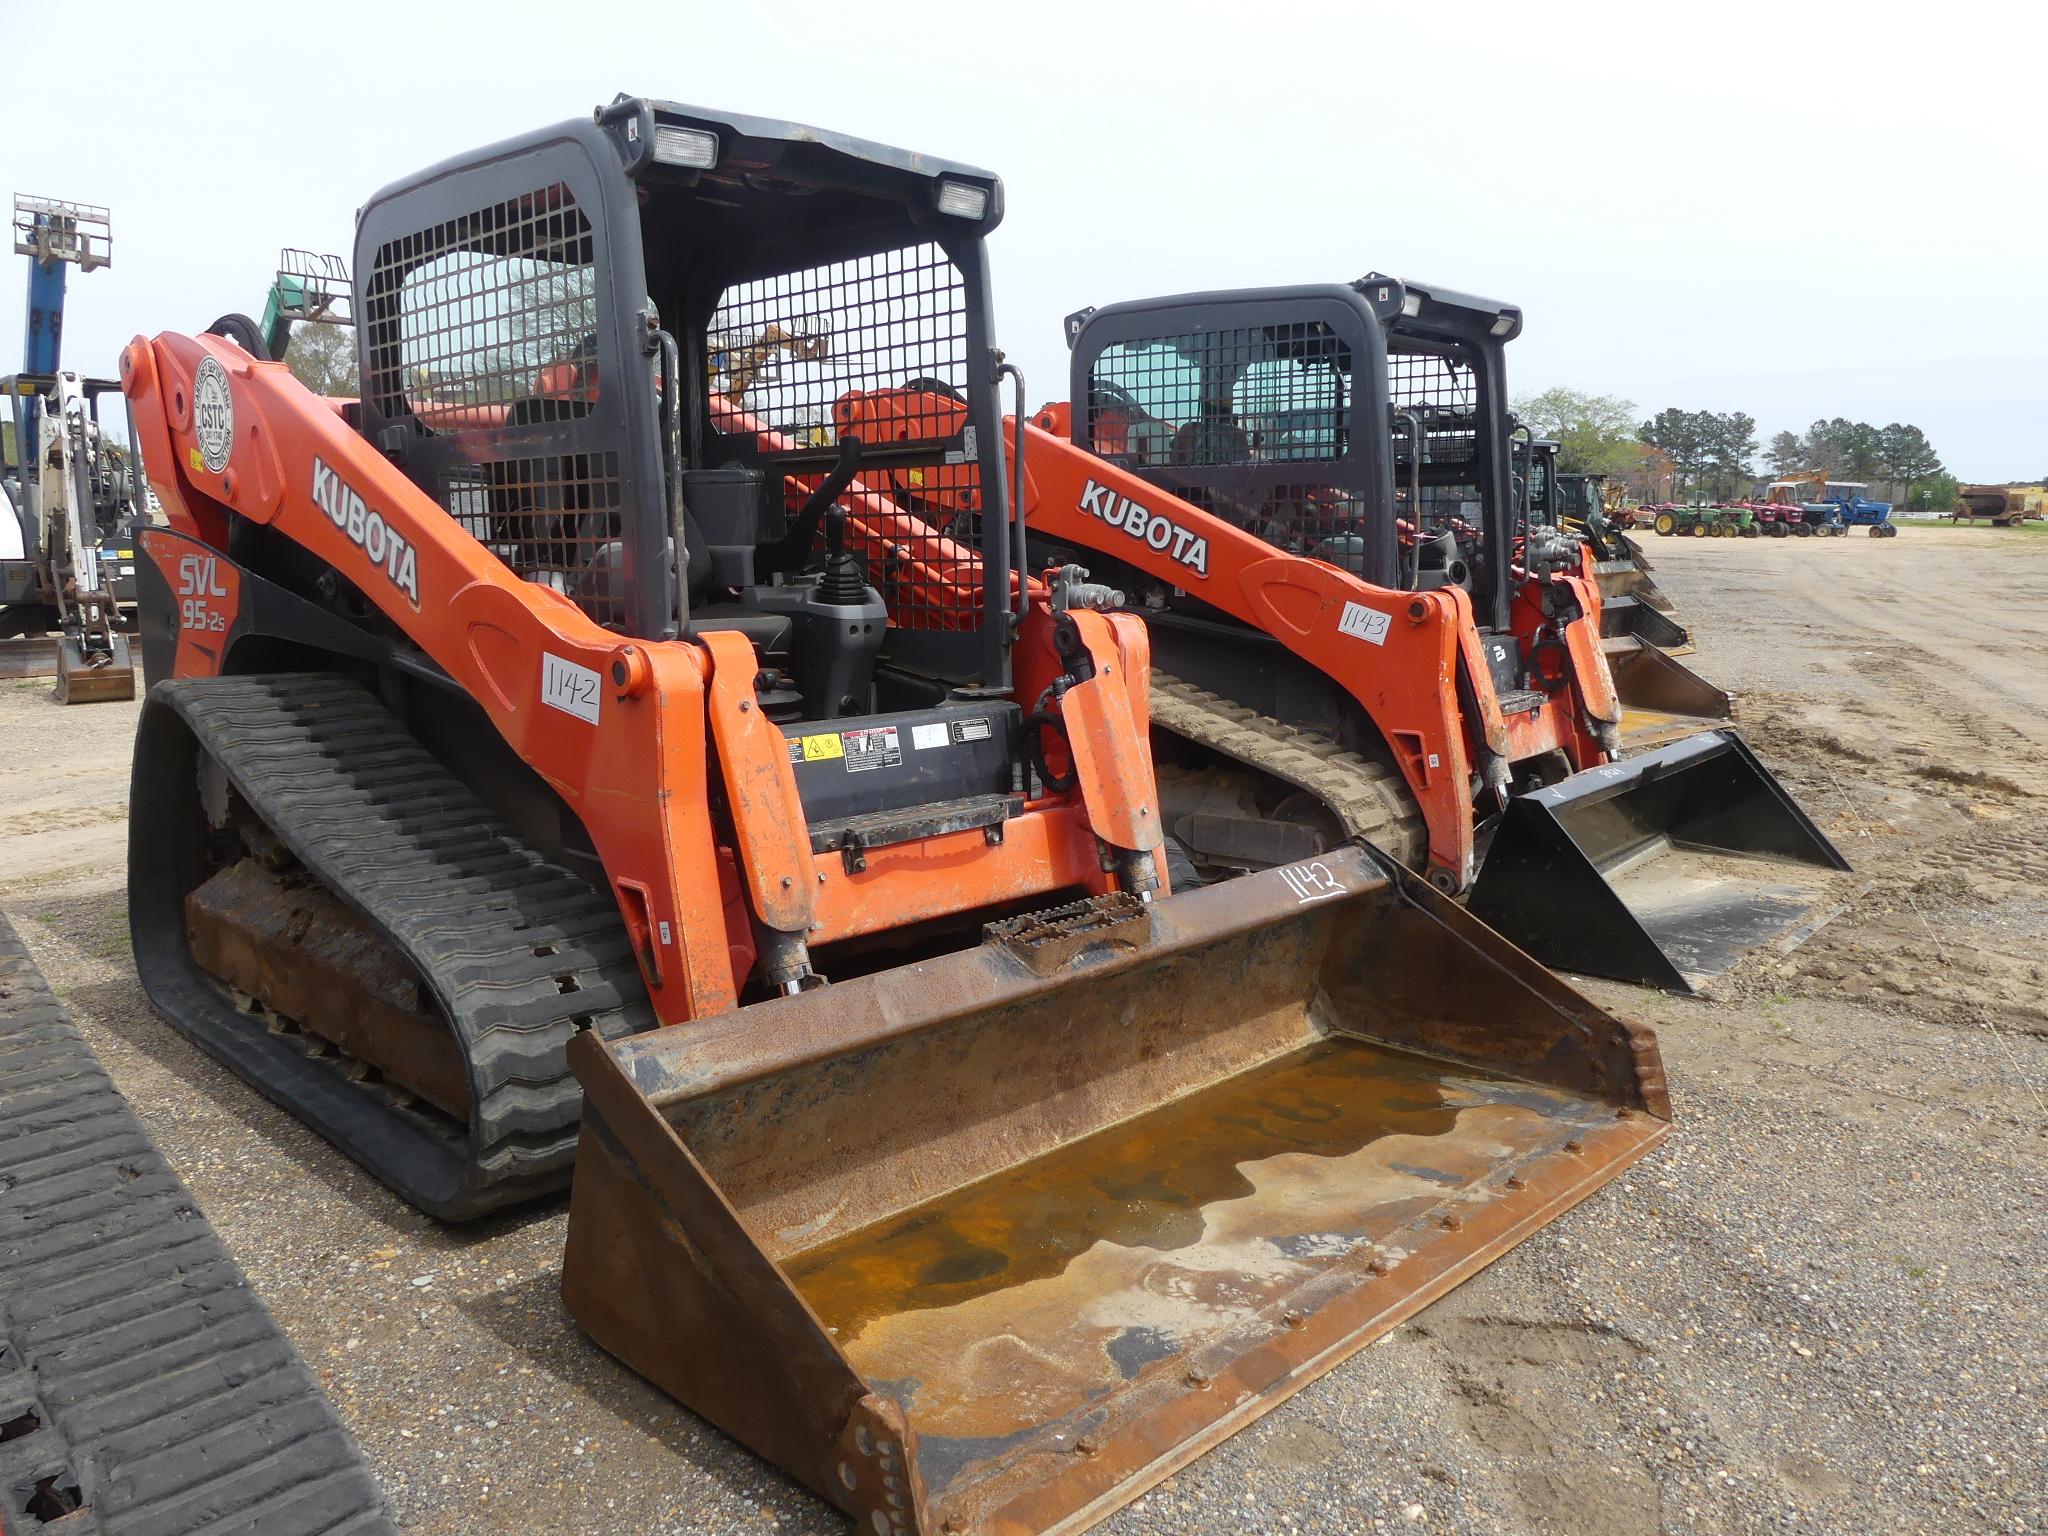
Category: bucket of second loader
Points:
column 1664, row 868
column 994, row 1242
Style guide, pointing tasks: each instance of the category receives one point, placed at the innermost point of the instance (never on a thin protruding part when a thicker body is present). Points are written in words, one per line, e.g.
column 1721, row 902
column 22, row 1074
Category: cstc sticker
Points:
column 213, row 415
column 1363, row 623
column 572, row 689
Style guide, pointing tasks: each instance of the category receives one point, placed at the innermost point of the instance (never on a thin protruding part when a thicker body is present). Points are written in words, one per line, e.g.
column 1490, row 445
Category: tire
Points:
column 1776, row 530
column 1751, row 531
column 1697, row 530
column 1717, row 529
column 1667, row 525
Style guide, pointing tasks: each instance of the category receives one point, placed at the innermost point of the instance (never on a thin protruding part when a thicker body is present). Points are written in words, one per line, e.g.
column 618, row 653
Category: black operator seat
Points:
column 770, row 632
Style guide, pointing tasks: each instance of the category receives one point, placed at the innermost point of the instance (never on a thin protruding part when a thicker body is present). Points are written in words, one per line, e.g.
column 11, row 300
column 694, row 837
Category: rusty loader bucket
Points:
column 992, row 1243
column 1663, row 869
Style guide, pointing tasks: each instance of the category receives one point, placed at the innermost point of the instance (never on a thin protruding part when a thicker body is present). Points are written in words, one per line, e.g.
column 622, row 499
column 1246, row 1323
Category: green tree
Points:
column 1709, row 450
column 1845, row 450
column 1907, row 457
column 1595, row 434
column 1937, row 492
column 323, row 358
column 1683, row 437
column 1732, row 440
column 1786, row 453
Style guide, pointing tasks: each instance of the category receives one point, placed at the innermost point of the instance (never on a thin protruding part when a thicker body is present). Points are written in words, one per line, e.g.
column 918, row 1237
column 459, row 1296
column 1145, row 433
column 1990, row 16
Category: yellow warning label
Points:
column 198, row 459
column 817, row 748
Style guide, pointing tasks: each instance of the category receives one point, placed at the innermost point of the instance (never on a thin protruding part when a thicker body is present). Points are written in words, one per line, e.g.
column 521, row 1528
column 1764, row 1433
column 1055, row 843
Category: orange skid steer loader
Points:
column 538, row 773
column 1308, row 494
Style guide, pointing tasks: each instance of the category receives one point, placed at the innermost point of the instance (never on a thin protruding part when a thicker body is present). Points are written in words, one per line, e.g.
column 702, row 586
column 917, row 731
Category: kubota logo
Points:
column 386, row 547
column 1147, row 526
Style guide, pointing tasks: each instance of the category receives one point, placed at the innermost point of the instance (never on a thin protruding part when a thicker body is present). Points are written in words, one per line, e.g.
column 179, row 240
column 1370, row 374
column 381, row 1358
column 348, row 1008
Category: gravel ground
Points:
column 1820, row 1307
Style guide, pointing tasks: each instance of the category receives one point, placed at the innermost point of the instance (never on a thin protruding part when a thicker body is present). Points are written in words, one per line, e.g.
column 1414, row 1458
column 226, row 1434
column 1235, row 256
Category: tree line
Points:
column 1678, row 454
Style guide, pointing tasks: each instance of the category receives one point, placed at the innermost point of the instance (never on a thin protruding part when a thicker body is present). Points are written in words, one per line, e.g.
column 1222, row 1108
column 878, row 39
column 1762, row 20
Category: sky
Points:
column 1795, row 210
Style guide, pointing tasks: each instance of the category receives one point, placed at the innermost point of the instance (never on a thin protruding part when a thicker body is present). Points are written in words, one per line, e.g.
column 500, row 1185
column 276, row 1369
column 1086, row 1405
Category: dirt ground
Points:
column 1823, row 1306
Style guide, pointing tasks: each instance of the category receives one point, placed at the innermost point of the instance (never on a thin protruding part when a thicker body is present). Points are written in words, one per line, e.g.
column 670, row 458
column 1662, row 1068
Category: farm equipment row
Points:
column 1755, row 519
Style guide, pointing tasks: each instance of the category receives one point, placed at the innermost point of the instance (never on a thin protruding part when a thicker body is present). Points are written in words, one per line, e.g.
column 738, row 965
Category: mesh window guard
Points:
column 874, row 347
column 1443, row 393
column 484, row 329
column 1236, row 418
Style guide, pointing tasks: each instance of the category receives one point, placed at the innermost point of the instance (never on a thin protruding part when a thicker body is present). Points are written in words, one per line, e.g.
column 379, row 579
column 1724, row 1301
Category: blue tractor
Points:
column 1842, row 506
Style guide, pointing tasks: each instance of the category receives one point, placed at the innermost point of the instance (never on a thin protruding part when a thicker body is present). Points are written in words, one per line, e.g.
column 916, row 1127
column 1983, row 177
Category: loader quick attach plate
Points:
column 143, row 1387
column 992, row 1243
column 1663, row 869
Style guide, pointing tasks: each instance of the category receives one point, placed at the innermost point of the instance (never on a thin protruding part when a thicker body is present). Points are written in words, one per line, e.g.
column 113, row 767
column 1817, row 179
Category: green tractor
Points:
column 1706, row 522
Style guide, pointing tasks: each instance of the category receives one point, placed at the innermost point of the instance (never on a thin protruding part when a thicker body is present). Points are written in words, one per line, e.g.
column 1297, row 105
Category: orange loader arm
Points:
column 622, row 729
column 1402, row 656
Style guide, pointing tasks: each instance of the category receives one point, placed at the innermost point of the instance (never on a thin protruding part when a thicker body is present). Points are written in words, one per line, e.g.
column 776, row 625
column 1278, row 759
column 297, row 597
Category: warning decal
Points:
column 818, row 748
column 873, row 747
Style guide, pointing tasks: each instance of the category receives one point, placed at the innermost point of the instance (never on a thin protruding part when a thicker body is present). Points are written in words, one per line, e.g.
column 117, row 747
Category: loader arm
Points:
column 1423, row 647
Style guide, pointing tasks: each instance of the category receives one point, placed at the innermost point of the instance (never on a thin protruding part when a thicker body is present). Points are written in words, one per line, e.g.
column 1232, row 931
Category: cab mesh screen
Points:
column 874, row 347
column 482, row 330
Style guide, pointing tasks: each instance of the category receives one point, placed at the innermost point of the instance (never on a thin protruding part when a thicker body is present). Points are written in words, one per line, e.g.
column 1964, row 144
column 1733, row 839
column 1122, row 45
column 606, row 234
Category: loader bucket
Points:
column 992, row 1243
column 93, row 679
column 1663, row 869
column 1635, row 619
column 1631, row 578
column 1662, row 699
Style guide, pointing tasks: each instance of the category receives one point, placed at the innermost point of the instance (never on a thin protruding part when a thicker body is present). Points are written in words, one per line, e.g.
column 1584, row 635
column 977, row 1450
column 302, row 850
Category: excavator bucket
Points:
column 1662, row 699
column 93, row 677
column 1663, row 869
column 994, row 1242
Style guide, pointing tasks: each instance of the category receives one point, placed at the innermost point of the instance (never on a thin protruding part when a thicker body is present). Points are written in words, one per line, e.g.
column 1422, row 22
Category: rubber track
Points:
column 519, row 952
column 1370, row 799
column 157, row 1384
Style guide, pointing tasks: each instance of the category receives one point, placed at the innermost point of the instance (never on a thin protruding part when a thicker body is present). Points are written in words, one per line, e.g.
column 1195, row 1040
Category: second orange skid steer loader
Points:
column 533, row 756
column 1307, row 493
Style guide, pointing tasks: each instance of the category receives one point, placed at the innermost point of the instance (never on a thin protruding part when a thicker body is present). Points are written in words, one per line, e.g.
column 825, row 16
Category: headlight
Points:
column 696, row 148
column 962, row 201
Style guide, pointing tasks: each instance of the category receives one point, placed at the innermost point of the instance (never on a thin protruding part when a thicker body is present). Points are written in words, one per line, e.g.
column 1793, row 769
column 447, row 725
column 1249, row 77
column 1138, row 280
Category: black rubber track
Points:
column 140, row 1378
column 519, row 953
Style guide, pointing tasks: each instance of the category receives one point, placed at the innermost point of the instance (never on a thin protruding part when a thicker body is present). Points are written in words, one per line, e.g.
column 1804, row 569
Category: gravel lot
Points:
column 1821, row 1307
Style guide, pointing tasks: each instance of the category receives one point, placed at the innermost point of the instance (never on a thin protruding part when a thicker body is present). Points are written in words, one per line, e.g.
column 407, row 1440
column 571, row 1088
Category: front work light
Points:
column 696, row 148
column 961, row 200
column 1503, row 325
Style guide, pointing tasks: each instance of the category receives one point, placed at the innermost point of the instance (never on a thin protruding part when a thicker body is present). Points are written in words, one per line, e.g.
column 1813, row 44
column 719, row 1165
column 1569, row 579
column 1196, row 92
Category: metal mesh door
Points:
column 1248, row 422
column 874, row 346
column 484, row 332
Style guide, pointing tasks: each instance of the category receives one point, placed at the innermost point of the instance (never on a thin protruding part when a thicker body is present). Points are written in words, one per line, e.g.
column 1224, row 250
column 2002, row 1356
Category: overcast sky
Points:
column 1795, row 210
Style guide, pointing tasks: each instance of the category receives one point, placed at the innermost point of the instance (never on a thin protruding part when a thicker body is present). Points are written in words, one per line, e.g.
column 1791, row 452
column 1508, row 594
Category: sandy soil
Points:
column 1821, row 1307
